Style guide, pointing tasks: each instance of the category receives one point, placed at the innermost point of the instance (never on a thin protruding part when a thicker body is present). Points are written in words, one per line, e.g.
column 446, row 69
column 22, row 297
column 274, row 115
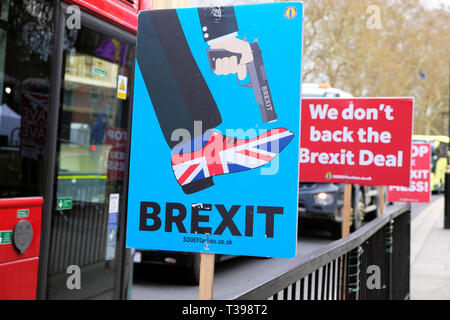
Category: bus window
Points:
column 26, row 37
column 91, row 147
column 434, row 157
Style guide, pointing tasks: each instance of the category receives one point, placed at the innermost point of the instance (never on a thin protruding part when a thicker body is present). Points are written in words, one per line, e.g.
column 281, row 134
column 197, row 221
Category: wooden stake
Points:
column 346, row 210
column 381, row 198
column 205, row 288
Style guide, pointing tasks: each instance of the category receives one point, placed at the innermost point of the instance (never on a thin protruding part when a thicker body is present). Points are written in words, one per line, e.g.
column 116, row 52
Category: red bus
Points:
column 66, row 74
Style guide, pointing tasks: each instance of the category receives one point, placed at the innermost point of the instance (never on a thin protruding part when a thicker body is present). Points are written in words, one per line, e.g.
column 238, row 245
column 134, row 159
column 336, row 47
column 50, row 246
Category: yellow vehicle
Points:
column 439, row 161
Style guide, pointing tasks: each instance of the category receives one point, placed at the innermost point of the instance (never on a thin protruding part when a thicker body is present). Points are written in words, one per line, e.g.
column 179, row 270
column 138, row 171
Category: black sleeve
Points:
column 177, row 89
column 217, row 22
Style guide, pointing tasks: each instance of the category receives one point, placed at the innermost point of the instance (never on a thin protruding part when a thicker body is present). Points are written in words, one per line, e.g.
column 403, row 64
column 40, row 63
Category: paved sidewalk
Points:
column 430, row 255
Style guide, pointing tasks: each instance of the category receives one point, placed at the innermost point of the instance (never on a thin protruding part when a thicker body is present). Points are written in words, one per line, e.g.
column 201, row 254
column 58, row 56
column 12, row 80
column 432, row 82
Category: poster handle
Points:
column 206, row 283
column 346, row 211
column 381, row 199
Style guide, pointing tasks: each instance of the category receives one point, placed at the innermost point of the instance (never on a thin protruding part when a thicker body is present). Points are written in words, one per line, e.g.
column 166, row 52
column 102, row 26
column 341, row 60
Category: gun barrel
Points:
column 260, row 84
column 257, row 75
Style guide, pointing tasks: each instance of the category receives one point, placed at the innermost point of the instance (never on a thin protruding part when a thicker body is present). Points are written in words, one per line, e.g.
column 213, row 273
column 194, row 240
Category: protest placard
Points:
column 365, row 141
column 419, row 190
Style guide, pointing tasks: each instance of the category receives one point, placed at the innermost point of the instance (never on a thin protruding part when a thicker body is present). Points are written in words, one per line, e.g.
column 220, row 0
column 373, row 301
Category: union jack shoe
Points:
column 212, row 154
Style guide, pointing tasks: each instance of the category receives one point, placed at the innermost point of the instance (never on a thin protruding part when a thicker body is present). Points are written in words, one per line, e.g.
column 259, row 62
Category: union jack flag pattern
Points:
column 214, row 154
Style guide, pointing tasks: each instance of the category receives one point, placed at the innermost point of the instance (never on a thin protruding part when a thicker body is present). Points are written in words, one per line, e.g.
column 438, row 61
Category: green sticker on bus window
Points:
column 64, row 203
column 24, row 213
column 5, row 237
column 100, row 71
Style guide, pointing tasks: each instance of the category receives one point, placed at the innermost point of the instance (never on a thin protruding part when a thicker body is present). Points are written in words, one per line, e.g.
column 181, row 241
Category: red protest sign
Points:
column 365, row 141
column 419, row 190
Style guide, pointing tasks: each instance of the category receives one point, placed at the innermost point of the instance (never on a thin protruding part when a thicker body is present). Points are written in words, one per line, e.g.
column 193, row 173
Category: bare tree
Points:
column 382, row 48
column 375, row 48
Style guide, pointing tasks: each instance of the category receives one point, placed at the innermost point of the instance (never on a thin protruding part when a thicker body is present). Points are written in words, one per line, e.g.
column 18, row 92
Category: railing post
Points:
column 363, row 276
column 354, row 273
column 401, row 257
column 389, row 240
column 341, row 272
column 447, row 199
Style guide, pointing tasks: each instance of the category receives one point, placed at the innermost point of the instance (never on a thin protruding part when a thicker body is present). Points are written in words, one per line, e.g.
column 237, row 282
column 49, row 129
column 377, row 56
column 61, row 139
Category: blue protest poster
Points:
column 215, row 130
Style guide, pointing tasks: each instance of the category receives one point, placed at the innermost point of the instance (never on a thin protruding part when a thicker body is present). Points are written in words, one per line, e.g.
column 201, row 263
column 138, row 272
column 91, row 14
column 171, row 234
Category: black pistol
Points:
column 258, row 78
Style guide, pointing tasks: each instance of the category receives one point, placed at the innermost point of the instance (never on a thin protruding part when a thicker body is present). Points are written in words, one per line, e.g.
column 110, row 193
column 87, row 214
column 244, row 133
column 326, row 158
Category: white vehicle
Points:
column 323, row 90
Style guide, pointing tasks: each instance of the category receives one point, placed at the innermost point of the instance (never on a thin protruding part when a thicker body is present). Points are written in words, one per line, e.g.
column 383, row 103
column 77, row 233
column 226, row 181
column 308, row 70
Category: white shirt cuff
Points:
column 234, row 34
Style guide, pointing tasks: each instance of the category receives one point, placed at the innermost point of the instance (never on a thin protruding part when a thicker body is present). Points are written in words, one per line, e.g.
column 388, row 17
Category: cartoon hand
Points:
column 225, row 66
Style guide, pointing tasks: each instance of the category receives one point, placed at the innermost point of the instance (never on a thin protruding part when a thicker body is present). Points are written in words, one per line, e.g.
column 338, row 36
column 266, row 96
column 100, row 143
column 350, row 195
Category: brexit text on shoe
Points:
column 358, row 137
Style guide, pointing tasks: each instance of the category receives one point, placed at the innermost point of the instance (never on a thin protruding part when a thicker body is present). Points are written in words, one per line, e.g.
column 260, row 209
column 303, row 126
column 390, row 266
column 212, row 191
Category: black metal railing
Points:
column 371, row 263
